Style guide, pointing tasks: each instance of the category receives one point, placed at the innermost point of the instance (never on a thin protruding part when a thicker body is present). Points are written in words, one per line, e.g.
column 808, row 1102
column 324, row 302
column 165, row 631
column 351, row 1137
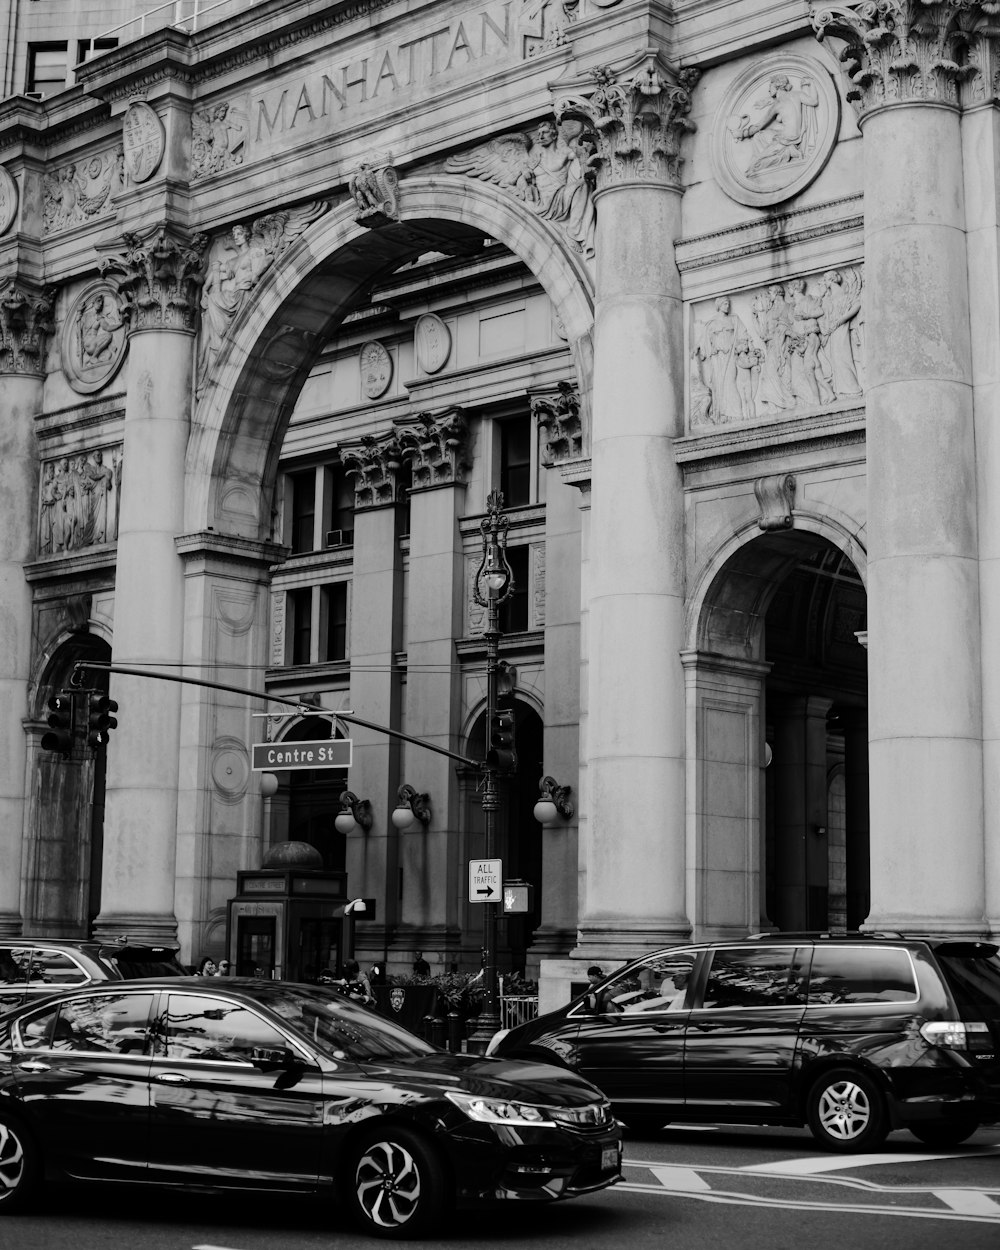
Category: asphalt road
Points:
column 684, row 1189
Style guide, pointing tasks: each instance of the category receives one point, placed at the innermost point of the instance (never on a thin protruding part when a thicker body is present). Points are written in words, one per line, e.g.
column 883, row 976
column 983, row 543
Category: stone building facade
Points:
column 708, row 290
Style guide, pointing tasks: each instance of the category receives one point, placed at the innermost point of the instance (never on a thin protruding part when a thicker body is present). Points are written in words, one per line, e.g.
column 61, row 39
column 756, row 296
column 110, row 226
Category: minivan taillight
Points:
column 957, row 1035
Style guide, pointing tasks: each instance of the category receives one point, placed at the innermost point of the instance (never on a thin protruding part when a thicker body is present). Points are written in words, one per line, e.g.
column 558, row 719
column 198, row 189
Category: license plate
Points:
column 609, row 1159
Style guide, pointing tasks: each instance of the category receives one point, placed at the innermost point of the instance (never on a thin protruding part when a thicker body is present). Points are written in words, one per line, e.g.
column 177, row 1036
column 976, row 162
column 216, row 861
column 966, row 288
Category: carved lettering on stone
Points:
column 776, row 498
column 218, row 139
column 79, row 501
column 235, row 262
column 79, row 192
column 775, row 129
column 94, row 338
column 790, row 346
column 375, row 188
column 143, row 141
column 552, row 171
column 8, row 200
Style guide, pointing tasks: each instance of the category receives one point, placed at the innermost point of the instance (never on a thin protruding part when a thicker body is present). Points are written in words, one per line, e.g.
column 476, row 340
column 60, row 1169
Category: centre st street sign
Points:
column 327, row 753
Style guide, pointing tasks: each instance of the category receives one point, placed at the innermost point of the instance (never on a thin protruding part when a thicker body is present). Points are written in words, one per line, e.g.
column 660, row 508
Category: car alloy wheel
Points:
column 846, row 1111
column 397, row 1184
column 18, row 1166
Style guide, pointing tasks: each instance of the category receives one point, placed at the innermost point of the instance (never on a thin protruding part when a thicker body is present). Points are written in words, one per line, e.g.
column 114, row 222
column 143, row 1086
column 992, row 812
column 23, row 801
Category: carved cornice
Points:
column 639, row 115
column 915, row 51
column 159, row 276
column 375, row 464
column 557, row 411
column 435, row 445
column 25, row 325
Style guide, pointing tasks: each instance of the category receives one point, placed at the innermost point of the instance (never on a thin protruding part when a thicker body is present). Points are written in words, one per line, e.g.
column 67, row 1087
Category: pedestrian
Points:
column 356, row 984
column 207, row 967
column 225, row 967
column 377, row 975
column 596, row 1002
column 421, row 968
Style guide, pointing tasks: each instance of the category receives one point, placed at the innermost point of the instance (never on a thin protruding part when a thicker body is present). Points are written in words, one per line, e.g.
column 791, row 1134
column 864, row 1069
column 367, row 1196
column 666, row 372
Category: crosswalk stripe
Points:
column 968, row 1201
column 686, row 1179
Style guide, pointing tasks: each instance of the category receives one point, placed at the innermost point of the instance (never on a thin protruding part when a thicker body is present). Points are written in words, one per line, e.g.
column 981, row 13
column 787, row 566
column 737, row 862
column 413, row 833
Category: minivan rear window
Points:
column 861, row 974
column 973, row 976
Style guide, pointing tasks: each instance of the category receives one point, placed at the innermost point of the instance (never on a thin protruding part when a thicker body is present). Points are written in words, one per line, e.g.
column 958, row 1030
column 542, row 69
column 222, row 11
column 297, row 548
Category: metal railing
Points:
column 515, row 1009
column 186, row 15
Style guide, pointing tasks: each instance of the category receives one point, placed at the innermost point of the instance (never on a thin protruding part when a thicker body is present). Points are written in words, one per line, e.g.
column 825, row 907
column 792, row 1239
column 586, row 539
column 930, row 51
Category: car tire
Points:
column 396, row 1184
column 944, row 1132
column 846, row 1111
column 20, row 1165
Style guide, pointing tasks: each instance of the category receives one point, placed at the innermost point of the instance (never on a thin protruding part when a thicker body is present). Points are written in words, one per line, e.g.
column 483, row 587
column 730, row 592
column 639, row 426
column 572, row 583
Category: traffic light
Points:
column 100, row 720
column 502, row 754
column 60, row 718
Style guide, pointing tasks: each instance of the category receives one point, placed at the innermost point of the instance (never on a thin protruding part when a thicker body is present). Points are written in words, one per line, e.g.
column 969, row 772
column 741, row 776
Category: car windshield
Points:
column 338, row 1028
column 973, row 973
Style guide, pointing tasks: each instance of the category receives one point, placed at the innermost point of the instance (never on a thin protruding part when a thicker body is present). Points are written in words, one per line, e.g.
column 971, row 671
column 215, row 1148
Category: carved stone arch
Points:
column 54, row 665
column 732, row 593
column 242, row 414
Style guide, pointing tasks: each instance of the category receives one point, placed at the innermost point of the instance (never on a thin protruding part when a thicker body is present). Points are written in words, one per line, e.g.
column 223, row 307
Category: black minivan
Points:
column 855, row 1035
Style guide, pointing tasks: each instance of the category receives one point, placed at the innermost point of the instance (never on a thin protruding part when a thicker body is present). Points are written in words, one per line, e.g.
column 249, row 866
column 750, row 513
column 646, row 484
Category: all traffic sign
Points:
column 485, row 876
column 326, row 753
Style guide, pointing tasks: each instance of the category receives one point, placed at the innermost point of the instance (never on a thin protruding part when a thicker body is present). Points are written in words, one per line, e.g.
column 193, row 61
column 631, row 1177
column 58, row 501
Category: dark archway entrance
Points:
column 307, row 801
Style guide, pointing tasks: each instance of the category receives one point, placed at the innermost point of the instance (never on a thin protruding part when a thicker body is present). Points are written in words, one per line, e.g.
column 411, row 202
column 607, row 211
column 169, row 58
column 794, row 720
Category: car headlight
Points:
column 501, row 1110
column 495, row 1041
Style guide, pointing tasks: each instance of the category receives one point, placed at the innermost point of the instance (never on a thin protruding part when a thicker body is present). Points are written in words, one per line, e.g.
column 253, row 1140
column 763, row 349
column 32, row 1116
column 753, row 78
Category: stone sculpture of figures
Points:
column 772, row 321
column 365, row 189
column 553, row 173
column 47, row 511
column 99, row 320
column 76, row 504
column 63, row 518
column 101, row 477
column 723, row 338
column 784, row 126
column 841, row 302
column 809, row 381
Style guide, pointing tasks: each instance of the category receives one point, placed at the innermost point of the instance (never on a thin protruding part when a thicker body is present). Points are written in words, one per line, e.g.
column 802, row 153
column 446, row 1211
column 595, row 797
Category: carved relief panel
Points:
column 787, row 347
column 79, row 501
column 94, row 338
column 79, row 192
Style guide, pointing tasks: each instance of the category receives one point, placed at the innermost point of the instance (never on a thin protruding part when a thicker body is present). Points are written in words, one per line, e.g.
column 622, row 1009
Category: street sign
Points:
column 485, row 876
column 326, row 753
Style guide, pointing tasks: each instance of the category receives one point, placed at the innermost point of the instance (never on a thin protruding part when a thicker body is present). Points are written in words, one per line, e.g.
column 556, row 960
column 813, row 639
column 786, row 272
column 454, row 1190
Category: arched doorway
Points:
column 777, row 701
column 308, row 799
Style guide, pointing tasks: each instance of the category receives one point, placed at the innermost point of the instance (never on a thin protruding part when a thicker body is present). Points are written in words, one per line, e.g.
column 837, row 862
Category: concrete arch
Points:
column 232, row 452
column 731, row 596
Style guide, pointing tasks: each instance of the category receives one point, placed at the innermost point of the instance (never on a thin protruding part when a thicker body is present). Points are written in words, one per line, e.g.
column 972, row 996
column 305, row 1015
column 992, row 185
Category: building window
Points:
column 515, row 461
column 86, row 48
column 514, row 611
column 338, row 506
column 299, row 616
column 333, row 622
column 302, row 535
column 47, row 68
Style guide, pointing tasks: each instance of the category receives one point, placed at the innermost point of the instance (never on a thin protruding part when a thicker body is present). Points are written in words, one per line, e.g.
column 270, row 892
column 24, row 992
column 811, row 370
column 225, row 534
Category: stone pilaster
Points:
column 635, row 719
column 157, row 277
column 907, row 62
column 25, row 324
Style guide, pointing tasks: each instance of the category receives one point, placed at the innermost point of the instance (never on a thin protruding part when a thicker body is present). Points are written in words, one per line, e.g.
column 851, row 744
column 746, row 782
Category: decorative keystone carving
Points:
column 558, row 413
column 376, row 192
column 25, row 324
column 159, row 278
column 776, row 498
column 901, row 51
column 435, row 444
column 639, row 115
column 375, row 464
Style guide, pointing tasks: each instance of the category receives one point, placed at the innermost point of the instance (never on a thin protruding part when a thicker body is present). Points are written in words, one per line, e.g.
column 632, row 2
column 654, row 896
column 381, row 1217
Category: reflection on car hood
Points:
column 489, row 1078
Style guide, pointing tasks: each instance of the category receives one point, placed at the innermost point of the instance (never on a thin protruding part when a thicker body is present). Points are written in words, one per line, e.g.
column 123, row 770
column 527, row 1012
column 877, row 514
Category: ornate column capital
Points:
column 159, row 278
column 25, row 324
column 435, row 444
column 374, row 463
column 639, row 115
column 557, row 411
column 913, row 51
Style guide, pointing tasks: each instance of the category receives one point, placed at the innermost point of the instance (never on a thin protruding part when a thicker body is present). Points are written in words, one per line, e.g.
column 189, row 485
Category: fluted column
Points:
column 25, row 323
column 925, row 663
column 634, row 895
column 140, row 827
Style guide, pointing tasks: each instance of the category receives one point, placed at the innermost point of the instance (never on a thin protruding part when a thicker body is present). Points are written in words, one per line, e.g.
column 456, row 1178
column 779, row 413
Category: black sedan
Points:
column 198, row 1084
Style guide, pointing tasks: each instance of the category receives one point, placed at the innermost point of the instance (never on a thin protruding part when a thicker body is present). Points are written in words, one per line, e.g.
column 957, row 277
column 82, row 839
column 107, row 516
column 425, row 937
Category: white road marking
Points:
column 686, row 1179
column 969, row 1202
column 208, row 1247
column 834, row 1163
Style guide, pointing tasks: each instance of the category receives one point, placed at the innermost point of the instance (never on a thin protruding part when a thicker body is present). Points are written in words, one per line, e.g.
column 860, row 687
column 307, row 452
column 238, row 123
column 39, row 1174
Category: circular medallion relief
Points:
column 376, row 370
column 143, row 141
column 775, row 130
column 8, row 200
column 94, row 338
column 230, row 769
column 432, row 339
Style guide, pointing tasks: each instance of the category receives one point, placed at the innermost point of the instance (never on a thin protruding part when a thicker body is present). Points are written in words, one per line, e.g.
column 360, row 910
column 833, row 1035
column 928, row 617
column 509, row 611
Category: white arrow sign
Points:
column 485, row 878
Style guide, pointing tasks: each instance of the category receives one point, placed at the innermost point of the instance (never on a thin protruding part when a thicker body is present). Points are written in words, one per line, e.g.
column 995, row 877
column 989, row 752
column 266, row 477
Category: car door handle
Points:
column 34, row 1065
column 173, row 1078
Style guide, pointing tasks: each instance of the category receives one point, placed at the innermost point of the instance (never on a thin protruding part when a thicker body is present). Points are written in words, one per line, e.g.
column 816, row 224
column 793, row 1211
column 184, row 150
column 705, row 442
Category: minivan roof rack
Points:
column 824, row 935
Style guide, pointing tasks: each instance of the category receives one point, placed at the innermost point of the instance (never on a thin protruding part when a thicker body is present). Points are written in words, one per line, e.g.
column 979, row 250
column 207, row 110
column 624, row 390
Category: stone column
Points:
column 25, row 323
column 436, row 446
column 924, row 639
column 375, row 639
column 858, row 833
column 140, row 828
column 634, row 896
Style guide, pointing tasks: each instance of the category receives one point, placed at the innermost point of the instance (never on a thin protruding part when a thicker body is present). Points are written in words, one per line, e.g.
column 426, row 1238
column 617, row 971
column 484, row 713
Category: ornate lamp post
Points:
column 493, row 586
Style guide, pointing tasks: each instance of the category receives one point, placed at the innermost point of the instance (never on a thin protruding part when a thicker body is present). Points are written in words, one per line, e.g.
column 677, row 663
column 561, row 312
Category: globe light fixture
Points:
column 553, row 804
column 354, row 814
column 412, row 812
column 268, row 785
